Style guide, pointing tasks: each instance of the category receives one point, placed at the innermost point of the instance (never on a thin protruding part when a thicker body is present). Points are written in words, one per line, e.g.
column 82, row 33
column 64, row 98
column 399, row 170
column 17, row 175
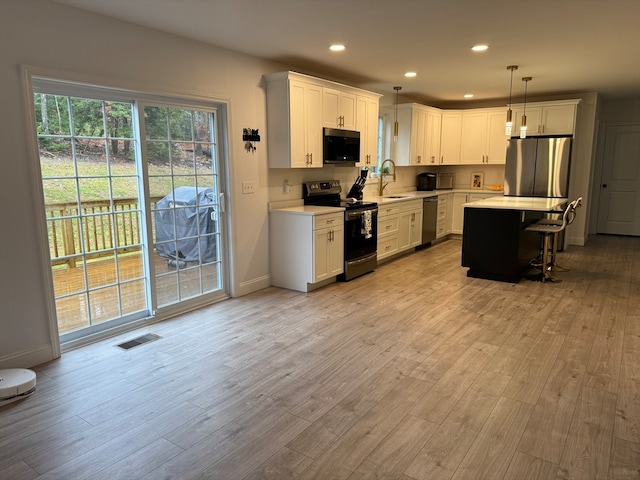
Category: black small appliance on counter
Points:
column 426, row 182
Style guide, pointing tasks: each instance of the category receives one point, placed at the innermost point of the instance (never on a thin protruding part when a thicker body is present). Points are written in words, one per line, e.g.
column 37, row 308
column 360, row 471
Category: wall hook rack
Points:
column 250, row 136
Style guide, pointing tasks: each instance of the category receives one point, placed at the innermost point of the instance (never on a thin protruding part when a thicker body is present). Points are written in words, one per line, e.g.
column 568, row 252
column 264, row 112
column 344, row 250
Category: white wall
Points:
column 88, row 47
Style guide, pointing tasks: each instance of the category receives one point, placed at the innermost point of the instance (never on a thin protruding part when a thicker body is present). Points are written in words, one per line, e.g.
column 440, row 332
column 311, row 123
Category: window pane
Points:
column 156, row 123
column 87, row 117
column 91, row 157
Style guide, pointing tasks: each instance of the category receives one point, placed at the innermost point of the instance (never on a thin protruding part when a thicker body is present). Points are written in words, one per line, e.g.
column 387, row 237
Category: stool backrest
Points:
column 570, row 213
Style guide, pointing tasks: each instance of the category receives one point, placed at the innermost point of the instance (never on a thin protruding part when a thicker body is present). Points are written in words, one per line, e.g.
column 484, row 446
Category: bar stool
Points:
column 550, row 229
column 553, row 266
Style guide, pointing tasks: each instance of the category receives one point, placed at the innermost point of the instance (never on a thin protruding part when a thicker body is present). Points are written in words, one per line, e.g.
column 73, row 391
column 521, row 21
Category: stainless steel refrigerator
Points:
column 537, row 167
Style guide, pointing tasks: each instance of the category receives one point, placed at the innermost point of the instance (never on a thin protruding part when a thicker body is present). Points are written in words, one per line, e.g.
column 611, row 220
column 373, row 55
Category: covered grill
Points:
column 186, row 225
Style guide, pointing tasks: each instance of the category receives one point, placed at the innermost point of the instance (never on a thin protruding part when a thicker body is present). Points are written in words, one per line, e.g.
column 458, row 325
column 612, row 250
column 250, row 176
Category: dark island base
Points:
column 495, row 245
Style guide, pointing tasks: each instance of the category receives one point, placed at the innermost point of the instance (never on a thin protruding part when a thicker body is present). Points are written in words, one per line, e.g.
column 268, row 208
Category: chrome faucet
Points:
column 380, row 174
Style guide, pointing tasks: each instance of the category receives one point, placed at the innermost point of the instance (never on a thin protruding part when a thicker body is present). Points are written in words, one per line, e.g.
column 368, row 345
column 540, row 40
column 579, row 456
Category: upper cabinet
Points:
column 483, row 139
column 338, row 109
column 299, row 106
column 450, row 139
column 367, row 124
column 418, row 135
column 546, row 118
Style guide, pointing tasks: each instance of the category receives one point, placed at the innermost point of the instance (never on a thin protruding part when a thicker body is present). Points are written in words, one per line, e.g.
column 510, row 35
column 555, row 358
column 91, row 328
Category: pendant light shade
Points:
column 523, row 125
column 395, row 120
column 508, row 126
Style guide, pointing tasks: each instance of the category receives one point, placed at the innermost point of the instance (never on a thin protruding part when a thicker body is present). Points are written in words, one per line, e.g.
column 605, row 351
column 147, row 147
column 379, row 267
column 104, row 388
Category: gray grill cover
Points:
column 194, row 208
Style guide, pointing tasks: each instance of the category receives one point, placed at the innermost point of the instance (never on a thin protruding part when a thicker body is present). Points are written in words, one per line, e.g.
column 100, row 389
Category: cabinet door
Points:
column 534, row 115
column 322, row 242
column 558, row 119
column 404, row 231
column 335, row 263
column 450, row 138
column 459, row 199
column 367, row 125
column 434, row 128
column 419, row 137
column 415, row 228
column 338, row 109
column 496, row 139
column 474, row 138
column 313, row 123
column 328, row 253
column 305, row 124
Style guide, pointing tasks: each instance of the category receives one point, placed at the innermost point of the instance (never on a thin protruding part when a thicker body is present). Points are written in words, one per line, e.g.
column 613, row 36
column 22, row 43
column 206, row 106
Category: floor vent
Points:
column 150, row 337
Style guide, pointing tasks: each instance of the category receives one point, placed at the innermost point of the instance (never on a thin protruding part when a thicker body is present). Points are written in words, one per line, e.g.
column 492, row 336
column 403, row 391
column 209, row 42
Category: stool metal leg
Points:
column 553, row 265
column 546, row 274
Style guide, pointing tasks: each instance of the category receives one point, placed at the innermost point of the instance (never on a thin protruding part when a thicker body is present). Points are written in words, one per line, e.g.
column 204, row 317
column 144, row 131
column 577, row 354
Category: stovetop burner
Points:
column 327, row 194
column 359, row 204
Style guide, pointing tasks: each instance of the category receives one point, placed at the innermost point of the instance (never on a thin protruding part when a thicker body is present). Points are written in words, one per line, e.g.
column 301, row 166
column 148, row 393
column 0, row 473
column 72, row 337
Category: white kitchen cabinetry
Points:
column 399, row 227
column 298, row 106
column 443, row 221
column 483, row 140
column 418, row 135
column 546, row 118
column 306, row 249
column 459, row 199
column 294, row 117
column 450, row 138
column 367, row 124
column 338, row 109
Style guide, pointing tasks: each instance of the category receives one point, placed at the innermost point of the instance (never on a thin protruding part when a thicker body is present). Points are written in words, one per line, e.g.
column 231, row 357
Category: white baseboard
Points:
column 252, row 285
column 28, row 358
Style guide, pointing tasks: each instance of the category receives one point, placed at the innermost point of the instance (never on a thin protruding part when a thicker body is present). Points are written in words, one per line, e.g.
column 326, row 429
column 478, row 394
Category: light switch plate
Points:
column 247, row 188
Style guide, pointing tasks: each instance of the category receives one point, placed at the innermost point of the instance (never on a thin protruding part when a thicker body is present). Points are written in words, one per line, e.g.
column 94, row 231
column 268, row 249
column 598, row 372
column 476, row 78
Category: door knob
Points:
column 604, row 185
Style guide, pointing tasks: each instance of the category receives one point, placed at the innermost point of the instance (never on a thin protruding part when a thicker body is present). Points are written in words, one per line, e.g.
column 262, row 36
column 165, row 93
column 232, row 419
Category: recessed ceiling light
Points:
column 468, row 95
column 337, row 48
column 410, row 74
column 480, row 48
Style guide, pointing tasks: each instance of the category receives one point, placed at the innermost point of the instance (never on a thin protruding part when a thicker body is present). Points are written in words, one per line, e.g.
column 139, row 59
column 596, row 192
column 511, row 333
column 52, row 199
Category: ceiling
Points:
column 566, row 46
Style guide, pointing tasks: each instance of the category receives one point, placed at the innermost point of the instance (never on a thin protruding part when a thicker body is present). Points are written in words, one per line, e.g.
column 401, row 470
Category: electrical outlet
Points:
column 247, row 188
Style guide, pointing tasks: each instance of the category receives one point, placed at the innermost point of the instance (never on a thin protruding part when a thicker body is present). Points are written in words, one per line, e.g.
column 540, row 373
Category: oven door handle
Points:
column 358, row 213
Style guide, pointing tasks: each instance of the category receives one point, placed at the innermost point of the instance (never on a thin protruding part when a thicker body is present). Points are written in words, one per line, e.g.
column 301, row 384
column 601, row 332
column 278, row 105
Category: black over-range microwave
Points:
column 340, row 147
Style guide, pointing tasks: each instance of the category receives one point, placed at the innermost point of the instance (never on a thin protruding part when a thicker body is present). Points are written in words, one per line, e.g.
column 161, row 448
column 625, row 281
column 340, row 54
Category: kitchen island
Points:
column 495, row 245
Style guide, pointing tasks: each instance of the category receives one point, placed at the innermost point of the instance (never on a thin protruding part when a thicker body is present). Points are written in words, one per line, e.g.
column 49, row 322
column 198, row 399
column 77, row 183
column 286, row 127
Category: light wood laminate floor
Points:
column 412, row 372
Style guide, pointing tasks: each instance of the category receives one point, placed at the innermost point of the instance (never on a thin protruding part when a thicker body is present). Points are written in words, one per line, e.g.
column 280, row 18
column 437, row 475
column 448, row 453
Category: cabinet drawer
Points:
column 387, row 226
column 441, row 229
column 331, row 220
column 386, row 210
column 387, row 246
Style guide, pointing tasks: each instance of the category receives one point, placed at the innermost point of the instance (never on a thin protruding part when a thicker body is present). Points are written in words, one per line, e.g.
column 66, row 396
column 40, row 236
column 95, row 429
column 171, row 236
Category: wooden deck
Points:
column 412, row 372
column 73, row 311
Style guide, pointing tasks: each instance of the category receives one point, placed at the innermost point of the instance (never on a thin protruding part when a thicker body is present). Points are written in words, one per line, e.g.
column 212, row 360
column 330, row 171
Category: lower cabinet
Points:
column 443, row 222
column 399, row 227
column 306, row 249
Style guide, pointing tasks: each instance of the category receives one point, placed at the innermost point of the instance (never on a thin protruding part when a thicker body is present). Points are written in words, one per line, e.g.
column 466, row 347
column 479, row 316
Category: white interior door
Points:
column 619, row 209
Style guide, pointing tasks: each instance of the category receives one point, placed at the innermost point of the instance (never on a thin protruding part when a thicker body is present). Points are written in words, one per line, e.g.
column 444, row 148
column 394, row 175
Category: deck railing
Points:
column 95, row 230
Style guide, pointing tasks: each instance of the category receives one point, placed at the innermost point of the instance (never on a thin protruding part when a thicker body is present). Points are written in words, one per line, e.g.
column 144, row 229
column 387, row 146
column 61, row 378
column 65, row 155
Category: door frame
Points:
column 77, row 83
column 598, row 171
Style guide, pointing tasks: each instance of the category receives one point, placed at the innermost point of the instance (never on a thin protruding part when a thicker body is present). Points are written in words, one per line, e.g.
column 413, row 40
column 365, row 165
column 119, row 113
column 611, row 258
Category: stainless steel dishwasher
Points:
column 429, row 219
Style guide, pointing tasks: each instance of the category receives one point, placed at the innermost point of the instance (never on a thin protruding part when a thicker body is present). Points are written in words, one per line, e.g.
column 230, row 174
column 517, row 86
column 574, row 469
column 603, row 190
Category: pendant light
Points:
column 523, row 125
column 508, row 126
column 395, row 121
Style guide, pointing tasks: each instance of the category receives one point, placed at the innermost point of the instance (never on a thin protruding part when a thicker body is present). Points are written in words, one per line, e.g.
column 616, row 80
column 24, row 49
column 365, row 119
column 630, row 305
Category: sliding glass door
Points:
column 182, row 163
column 134, row 227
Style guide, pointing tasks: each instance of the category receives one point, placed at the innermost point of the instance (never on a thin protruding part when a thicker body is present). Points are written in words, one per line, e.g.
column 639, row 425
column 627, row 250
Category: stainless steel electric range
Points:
column 360, row 226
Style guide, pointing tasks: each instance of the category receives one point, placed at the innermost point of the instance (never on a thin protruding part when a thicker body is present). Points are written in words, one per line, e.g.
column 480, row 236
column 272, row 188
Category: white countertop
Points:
column 533, row 204
column 310, row 210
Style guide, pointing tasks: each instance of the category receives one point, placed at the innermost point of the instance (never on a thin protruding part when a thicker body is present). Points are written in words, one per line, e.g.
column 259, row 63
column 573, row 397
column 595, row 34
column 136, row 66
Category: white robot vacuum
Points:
column 16, row 384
